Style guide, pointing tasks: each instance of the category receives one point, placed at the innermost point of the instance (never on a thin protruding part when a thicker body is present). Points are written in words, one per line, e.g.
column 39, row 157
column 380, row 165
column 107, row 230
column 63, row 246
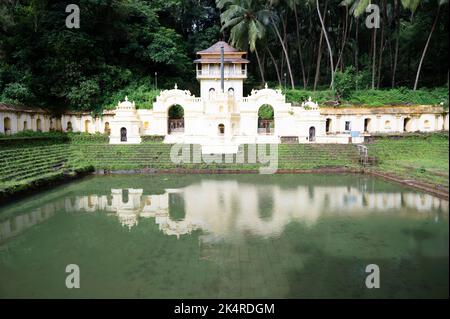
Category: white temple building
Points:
column 222, row 118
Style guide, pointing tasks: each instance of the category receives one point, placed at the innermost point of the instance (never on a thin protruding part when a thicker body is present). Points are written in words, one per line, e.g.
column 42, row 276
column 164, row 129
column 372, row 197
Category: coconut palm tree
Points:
column 412, row 4
column 330, row 51
column 244, row 17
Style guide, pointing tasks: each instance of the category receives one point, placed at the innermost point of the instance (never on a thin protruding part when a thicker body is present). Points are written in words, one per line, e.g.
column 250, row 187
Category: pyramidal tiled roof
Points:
column 215, row 48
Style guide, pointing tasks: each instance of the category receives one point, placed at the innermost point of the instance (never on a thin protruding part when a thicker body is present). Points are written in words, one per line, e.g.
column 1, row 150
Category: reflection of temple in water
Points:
column 226, row 209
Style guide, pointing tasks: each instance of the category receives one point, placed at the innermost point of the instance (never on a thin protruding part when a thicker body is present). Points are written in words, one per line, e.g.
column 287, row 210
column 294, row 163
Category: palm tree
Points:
column 436, row 18
column 270, row 15
column 358, row 7
column 330, row 51
column 292, row 4
column 243, row 17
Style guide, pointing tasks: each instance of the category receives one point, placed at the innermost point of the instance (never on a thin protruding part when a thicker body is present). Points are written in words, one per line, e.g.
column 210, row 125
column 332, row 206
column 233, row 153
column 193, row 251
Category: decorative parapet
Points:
column 126, row 105
column 269, row 96
column 310, row 104
column 176, row 94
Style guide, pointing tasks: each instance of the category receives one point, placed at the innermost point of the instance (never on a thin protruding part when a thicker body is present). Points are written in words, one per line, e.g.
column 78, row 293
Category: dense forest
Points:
column 135, row 47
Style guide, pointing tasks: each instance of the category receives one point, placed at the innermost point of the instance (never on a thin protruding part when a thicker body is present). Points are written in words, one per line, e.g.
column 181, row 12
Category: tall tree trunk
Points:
column 299, row 47
column 328, row 44
column 344, row 38
column 374, row 57
column 319, row 51
column 285, row 52
column 397, row 36
column 380, row 57
column 426, row 46
column 275, row 66
column 261, row 71
column 319, row 57
column 356, row 44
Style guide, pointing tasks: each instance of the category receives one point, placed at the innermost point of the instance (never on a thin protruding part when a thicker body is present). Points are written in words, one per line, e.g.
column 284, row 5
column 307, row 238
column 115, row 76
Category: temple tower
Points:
column 209, row 74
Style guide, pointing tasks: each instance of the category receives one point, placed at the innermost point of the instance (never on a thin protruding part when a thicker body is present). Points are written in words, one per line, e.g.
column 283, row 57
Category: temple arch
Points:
column 7, row 125
column 123, row 134
column 367, row 125
column 87, row 124
column 407, row 124
column 312, row 134
column 107, row 129
column 38, row 125
column 328, row 123
column 175, row 119
column 221, row 129
column 266, row 123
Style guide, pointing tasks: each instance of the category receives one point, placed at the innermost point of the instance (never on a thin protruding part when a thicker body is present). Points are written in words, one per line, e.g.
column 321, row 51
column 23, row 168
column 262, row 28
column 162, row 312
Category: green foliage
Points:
column 401, row 96
column 141, row 92
column 265, row 112
column 176, row 112
column 81, row 138
column 367, row 98
column 17, row 93
column 296, row 97
column 167, row 48
column 415, row 156
column 348, row 81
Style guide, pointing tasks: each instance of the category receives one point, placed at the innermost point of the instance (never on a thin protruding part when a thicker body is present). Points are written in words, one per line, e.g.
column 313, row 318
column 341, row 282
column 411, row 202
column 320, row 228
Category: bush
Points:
column 367, row 98
column 400, row 96
column 80, row 138
column 142, row 93
column 17, row 93
column 296, row 97
column 348, row 81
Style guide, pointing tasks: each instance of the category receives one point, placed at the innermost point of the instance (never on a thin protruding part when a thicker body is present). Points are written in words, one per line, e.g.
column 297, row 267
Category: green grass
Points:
column 421, row 157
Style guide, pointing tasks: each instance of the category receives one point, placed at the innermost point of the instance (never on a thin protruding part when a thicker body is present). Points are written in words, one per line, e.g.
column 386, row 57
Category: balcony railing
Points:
column 216, row 73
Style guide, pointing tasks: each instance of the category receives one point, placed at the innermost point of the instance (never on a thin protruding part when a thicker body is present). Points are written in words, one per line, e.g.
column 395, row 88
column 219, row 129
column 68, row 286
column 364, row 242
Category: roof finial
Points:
column 176, row 86
column 126, row 98
column 265, row 86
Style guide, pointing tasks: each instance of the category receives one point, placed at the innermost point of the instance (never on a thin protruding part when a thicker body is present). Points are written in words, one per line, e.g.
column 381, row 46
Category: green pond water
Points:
column 225, row 236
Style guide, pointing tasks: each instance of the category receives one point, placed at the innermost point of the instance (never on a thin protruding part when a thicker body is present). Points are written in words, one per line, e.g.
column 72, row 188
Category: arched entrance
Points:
column 7, row 125
column 212, row 93
column 328, row 126
column 407, row 123
column 69, row 127
column 312, row 134
column 221, row 129
column 176, row 119
column 123, row 134
column 366, row 125
column 87, row 123
column 266, row 123
column 38, row 125
column 25, row 125
column 107, row 129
